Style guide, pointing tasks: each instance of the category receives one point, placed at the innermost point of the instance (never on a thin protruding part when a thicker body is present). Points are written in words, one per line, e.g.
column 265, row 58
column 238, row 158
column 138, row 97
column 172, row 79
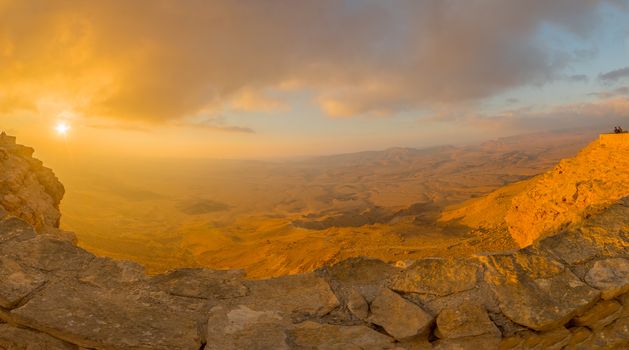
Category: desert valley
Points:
column 277, row 218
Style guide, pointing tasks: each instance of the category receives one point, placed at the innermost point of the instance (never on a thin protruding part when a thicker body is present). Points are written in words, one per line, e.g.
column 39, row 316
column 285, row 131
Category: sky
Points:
column 281, row 78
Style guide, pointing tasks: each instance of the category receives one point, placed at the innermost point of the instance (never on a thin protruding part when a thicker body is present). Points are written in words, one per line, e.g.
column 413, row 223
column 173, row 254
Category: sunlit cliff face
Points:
column 265, row 79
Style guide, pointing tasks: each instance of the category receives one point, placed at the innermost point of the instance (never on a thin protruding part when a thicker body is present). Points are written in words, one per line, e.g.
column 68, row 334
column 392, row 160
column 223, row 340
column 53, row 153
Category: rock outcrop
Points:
column 28, row 190
column 569, row 290
column 547, row 203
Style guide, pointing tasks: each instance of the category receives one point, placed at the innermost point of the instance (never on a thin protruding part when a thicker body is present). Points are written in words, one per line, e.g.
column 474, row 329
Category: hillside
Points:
column 597, row 177
column 567, row 291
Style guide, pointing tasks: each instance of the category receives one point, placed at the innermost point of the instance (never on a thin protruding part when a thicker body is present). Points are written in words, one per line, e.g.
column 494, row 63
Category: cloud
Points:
column 619, row 91
column 615, row 75
column 577, row 78
column 254, row 101
column 159, row 61
column 602, row 113
column 215, row 123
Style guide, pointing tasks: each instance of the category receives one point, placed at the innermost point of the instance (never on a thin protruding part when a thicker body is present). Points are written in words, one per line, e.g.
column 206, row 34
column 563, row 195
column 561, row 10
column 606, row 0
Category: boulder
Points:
column 437, row 276
column 611, row 276
column 465, row 321
column 537, row 291
column 398, row 316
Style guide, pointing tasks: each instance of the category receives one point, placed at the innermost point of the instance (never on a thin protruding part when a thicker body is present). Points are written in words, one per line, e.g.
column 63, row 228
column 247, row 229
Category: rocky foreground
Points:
column 570, row 290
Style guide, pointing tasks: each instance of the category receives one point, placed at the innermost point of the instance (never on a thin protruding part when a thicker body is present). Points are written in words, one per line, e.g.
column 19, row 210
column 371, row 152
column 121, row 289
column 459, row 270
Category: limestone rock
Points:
column 465, row 321
column 311, row 335
column 611, row 276
column 602, row 314
column 437, row 276
column 14, row 338
column 115, row 318
column 536, row 291
column 399, row 317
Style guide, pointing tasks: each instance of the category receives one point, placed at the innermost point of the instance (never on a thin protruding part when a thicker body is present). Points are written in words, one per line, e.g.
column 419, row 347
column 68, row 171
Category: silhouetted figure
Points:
column 619, row 130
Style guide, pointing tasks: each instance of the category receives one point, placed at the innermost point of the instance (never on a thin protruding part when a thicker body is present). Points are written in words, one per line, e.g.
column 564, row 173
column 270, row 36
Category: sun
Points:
column 62, row 128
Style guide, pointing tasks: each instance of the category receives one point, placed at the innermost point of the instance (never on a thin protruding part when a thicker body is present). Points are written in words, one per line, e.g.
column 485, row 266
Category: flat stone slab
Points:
column 115, row 318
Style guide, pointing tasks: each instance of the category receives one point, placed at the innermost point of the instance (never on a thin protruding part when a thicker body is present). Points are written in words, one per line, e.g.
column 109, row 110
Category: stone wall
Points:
column 565, row 291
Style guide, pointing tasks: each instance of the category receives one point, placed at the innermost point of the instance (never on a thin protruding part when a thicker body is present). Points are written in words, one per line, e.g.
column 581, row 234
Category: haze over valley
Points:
column 283, row 217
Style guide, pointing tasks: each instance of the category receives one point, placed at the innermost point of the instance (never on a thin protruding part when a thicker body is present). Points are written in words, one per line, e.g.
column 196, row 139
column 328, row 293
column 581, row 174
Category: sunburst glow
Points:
column 62, row 128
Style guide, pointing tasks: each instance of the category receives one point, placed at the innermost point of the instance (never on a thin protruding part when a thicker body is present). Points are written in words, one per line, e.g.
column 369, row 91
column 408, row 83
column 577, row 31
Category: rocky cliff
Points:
column 597, row 177
column 28, row 190
column 569, row 290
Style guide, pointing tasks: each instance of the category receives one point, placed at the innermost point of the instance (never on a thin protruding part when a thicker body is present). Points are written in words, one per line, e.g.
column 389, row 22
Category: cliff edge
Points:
column 597, row 177
column 29, row 190
column 569, row 290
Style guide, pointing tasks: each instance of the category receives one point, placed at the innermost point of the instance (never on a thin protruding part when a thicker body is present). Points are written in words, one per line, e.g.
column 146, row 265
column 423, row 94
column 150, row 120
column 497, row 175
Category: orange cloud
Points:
column 168, row 60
